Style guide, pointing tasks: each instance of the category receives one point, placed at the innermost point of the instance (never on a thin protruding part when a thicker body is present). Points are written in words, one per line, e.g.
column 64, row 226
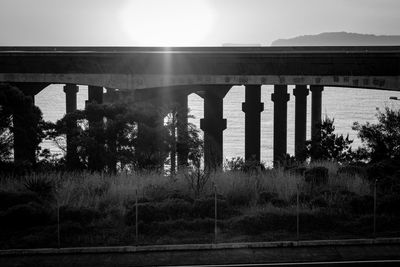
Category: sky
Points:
column 187, row 22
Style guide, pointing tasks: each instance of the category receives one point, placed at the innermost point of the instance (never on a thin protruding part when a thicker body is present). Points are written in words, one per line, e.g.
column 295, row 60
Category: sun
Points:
column 167, row 22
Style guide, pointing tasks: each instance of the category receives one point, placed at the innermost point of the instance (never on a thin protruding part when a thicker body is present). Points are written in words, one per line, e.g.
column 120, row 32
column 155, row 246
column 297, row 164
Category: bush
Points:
column 317, row 176
column 389, row 204
column 81, row 215
column 263, row 222
column 180, row 225
column 352, row 170
column 204, row 208
column 266, row 197
column 155, row 192
column 362, row 204
column 170, row 209
column 25, row 215
column 239, row 197
column 43, row 187
column 9, row 199
column 319, row 202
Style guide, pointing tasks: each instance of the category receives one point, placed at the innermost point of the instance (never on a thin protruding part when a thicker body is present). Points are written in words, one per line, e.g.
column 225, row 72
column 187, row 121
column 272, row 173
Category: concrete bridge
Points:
column 209, row 71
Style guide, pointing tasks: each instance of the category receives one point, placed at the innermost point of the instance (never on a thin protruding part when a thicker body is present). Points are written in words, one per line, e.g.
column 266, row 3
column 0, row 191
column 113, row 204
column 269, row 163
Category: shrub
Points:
column 43, row 187
column 362, row 204
column 317, row 176
column 262, row 222
column 239, row 197
column 266, row 197
column 180, row 225
column 155, row 192
column 25, row 215
column 389, row 204
column 204, row 208
column 352, row 170
column 319, row 201
column 170, row 209
column 82, row 215
column 9, row 199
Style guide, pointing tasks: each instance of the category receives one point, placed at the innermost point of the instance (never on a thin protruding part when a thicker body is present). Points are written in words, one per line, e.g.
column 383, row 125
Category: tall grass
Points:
column 93, row 189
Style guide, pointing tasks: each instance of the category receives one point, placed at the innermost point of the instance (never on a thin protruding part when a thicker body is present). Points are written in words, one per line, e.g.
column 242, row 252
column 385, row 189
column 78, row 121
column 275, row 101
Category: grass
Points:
column 98, row 209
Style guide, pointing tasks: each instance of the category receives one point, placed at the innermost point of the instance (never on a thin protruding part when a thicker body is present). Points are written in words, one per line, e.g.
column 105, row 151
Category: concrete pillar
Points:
column 252, row 107
column 213, row 124
column 316, row 108
column 95, row 160
column 182, row 130
column 95, row 94
column 280, row 97
column 70, row 91
column 300, row 125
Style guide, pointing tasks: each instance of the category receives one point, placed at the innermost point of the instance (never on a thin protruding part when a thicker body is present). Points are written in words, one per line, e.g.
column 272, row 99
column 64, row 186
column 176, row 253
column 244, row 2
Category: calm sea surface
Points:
column 345, row 105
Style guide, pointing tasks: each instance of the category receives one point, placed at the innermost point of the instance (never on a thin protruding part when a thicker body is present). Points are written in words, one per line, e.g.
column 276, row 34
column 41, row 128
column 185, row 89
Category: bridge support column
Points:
column 300, row 125
column 182, row 130
column 316, row 108
column 70, row 91
column 213, row 124
column 95, row 96
column 252, row 109
column 280, row 97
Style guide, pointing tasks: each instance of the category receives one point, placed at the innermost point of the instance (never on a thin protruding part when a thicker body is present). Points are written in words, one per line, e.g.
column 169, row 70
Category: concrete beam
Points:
column 280, row 97
column 252, row 107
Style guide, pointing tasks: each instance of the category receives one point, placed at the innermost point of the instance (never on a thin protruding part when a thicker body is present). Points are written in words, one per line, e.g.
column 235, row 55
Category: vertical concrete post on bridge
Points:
column 316, row 111
column 280, row 97
column 70, row 91
column 300, row 125
column 182, row 130
column 95, row 96
column 213, row 124
column 252, row 107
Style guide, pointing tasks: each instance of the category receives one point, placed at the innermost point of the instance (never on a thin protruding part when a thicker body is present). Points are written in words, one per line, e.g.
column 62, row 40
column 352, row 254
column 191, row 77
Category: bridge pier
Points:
column 300, row 135
column 252, row 107
column 95, row 95
column 213, row 124
column 316, row 108
column 70, row 91
column 182, row 130
column 280, row 97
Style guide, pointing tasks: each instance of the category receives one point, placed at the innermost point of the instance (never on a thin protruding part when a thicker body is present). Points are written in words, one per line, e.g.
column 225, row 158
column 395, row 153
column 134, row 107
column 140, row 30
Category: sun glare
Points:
column 167, row 22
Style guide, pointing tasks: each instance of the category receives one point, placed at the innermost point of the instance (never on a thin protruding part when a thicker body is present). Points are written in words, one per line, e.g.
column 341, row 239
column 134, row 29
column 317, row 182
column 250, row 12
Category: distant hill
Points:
column 339, row 39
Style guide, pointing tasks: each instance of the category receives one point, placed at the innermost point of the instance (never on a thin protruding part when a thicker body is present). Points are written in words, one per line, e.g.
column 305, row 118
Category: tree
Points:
column 381, row 141
column 21, row 125
column 329, row 146
column 125, row 135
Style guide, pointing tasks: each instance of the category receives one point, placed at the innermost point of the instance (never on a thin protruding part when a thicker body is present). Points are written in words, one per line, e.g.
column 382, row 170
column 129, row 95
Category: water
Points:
column 345, row 105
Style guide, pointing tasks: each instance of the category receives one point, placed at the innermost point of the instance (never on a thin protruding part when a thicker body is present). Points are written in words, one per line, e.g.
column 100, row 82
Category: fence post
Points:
column 297, row 213
column 136, row 217
column 215, row 213
column 58, row 224
column 375, row 185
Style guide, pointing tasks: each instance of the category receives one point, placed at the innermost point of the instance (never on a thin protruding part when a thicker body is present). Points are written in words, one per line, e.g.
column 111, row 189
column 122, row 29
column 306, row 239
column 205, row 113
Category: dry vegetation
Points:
column 98, row 209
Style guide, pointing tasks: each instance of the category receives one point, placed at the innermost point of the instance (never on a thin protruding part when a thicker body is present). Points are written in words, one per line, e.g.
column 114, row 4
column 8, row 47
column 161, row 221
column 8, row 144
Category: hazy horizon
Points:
column 187, row 22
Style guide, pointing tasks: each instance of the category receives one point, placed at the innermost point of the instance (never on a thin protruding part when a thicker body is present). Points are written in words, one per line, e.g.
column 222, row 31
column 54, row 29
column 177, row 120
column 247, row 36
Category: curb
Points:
column 191, row 247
